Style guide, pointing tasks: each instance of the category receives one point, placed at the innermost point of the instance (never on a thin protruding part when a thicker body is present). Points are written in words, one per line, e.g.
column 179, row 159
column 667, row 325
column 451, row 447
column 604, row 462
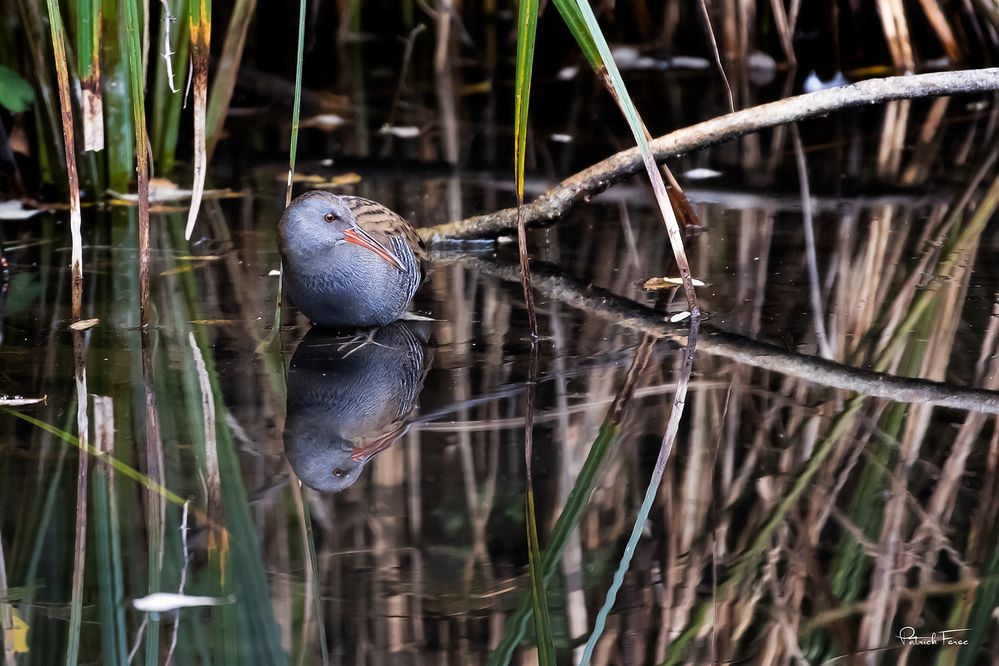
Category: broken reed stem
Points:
column 80, row 547
column 201, row 33
column 89, row 18
column 66, row 109
column 136, row 90
column 226, row 71
column 553, row 204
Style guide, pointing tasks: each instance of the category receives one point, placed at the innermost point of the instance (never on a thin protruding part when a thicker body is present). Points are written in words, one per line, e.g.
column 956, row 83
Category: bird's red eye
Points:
column 329, row 217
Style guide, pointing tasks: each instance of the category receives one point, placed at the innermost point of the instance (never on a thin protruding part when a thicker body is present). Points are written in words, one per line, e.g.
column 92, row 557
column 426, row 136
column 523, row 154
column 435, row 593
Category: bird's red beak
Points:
column 359, row 236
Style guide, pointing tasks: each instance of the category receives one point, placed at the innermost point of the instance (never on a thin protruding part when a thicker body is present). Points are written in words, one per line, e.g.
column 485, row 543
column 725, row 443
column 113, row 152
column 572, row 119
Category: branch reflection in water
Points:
column 350, row 396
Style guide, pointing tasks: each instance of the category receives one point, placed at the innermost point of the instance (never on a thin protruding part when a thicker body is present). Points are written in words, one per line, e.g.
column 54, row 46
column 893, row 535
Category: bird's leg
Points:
column 362, row 341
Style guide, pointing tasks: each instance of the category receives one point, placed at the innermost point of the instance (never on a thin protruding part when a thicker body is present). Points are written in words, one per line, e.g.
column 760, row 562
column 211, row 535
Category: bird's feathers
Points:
column 385, row 225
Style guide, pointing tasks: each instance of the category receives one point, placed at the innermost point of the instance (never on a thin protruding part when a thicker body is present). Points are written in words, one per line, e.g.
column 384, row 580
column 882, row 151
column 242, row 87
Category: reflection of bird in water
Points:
column 349, row 262
column 348, row 399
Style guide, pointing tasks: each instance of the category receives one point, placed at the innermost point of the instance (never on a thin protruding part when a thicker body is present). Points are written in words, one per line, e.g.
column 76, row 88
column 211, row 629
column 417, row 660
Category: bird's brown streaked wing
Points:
column 376, row 219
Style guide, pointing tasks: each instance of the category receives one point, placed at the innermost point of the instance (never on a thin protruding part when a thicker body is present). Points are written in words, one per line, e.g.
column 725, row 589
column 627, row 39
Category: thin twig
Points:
column 168, row 18
column 825, row 350
column 183, row 575
column 706, row 17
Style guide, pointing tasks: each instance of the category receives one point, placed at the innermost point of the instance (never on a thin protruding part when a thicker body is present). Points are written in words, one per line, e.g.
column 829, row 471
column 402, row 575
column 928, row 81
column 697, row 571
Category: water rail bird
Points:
column 349, row 262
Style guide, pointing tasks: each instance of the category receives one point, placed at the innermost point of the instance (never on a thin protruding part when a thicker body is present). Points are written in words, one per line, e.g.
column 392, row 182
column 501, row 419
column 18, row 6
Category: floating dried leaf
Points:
column 323, row 181
column 15, row 210
column 400, row 132
column 20, row 401
column 656, row 283
column 701, row 173
column 84, row 324
column 323, row 121
column 160, row 602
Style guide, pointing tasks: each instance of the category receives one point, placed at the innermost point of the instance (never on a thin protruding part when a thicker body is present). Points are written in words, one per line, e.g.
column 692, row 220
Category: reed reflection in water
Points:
column 794, row 521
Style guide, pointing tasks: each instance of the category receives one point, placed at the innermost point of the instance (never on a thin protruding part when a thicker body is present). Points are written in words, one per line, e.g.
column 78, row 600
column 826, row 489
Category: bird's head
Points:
column 319, row 220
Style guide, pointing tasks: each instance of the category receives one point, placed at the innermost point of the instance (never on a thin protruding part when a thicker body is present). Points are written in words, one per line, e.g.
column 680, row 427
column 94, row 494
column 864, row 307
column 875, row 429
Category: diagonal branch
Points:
column 551, row 283
column 550, row 206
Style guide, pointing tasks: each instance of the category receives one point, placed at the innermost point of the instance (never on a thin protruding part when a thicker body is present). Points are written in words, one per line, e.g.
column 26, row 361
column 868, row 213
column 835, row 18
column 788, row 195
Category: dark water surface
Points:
column 795, row 521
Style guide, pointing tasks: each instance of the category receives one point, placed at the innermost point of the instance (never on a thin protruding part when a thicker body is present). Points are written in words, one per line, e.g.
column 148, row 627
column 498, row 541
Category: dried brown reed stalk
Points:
column 941, row 26
column 83, row 436
column 201, row 31
column 896, row 31
column 69, row 146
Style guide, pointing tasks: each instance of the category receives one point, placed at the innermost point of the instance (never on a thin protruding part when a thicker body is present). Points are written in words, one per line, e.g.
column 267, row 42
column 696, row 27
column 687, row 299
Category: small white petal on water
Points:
column 561, row 138
column 274, row 273
column 20, row 401
column 567, row 73
column 689, row 62
column 679, row 316
column 400, row 132
column 160, row 602
column 813, row 83
column 14, row 210
column 324, row 121
column 701, row 174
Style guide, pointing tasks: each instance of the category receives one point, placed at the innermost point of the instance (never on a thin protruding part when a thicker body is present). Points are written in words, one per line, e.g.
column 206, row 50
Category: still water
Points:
column 360, row 499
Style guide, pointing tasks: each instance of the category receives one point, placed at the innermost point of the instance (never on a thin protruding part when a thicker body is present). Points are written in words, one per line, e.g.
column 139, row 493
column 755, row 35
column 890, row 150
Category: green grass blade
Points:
column 516, row 625
column 296, row 110
column 296, row 114
column 651, row 491
column 539, row 598
column 577, row 26
column 249, row 632
column 608, row 71
column 119, row 466
column 137, row 93
column 579, row 496
column 119, row 132
column 527, row 28
column 224, row 82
